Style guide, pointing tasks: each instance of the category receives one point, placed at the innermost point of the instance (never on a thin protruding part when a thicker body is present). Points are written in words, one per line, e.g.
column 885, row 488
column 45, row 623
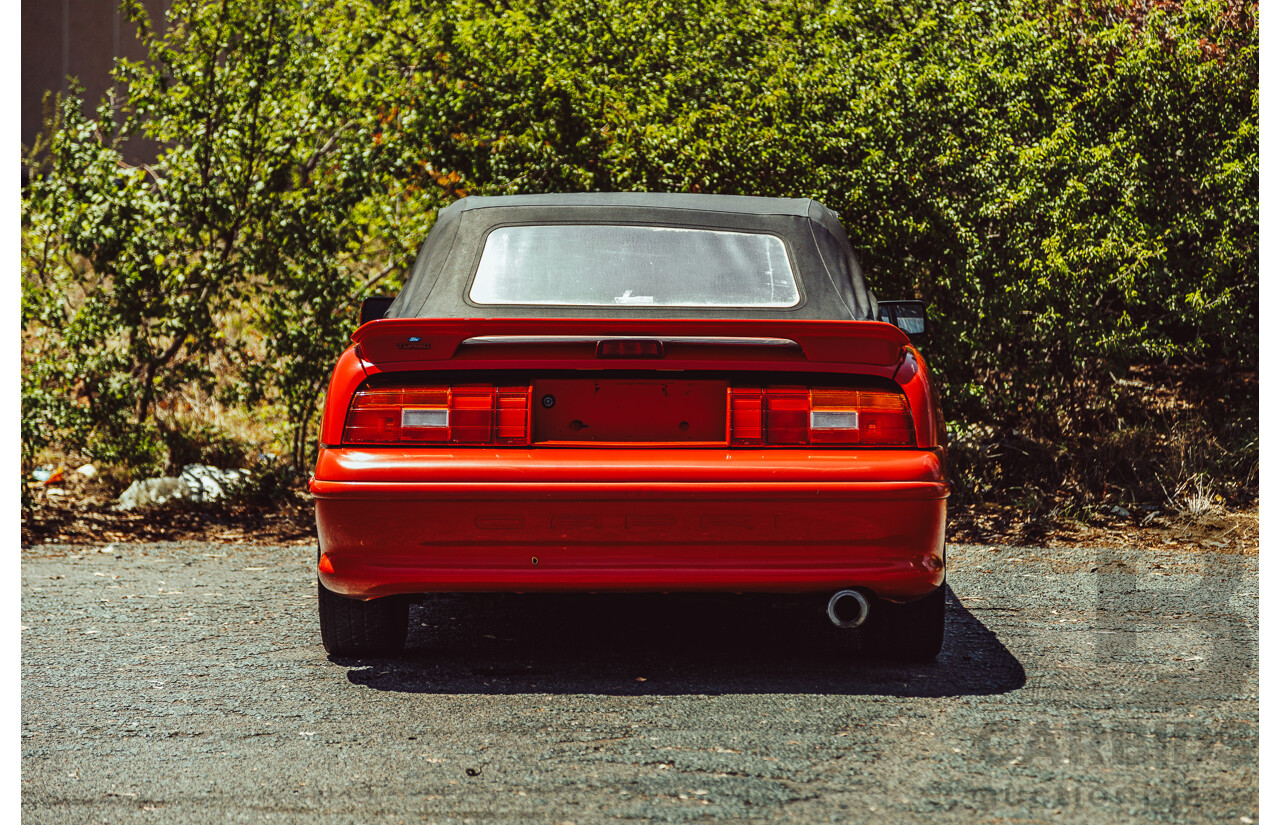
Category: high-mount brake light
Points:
column 629, row 348
column 464, row 414
column 819, row 415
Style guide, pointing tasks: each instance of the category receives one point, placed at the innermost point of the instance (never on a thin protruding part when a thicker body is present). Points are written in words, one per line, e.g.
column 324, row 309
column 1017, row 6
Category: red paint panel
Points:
column 626, row 410
column 775, row 538
column 481, row 466
column 348, row 374
column 913, row 376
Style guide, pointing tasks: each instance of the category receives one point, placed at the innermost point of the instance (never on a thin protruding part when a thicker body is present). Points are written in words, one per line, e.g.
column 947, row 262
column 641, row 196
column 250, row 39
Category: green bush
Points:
column 265, row 211
column 1073, row 189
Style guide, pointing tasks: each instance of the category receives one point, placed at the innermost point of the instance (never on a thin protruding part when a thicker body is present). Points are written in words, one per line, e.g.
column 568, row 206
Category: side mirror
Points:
column 371, row 309
column 908, row 316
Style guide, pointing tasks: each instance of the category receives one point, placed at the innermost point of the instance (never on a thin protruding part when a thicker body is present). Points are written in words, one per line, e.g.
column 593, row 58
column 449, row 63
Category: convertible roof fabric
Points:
column 827, row 269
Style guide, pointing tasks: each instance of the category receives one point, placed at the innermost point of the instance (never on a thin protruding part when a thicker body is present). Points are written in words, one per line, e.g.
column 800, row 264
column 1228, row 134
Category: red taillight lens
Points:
column 464, row 414
column 796, row 415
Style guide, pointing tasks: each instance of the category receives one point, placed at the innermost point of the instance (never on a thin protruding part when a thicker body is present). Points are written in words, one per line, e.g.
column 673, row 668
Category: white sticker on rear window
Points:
column 618, row 265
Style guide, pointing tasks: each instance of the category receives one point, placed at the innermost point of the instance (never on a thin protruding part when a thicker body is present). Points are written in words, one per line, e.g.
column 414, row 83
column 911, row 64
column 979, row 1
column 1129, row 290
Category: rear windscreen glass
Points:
column 616, row 265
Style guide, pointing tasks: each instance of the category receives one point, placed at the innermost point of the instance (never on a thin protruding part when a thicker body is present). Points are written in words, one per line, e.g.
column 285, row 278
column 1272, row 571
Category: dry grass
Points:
column 1173, row 439
column 1221, row 529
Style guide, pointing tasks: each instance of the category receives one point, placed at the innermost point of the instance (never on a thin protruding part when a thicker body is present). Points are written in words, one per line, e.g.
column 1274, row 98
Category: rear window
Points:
column 618, row 265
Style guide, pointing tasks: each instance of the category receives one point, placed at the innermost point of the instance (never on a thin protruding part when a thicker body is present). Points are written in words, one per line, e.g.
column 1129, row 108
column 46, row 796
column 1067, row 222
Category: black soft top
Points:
column 827, row 271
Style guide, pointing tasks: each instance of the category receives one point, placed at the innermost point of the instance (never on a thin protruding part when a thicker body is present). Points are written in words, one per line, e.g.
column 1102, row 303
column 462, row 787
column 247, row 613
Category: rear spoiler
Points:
column 397, row 340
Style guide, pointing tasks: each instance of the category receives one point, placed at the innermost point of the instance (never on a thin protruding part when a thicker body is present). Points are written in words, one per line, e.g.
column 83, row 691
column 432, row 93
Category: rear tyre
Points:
column 910, row 632
column 349, row 627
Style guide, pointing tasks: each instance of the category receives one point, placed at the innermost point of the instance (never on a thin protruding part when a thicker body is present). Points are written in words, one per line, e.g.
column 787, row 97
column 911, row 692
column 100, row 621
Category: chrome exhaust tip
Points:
column 848, row 608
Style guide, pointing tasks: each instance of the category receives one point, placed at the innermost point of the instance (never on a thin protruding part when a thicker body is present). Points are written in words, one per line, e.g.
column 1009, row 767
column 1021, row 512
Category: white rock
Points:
column 150, row 491
column 198, row 482
column 205, row 483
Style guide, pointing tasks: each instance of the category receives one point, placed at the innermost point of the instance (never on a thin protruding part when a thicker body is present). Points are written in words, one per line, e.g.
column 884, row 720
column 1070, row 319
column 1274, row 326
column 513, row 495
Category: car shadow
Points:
column 652, row 644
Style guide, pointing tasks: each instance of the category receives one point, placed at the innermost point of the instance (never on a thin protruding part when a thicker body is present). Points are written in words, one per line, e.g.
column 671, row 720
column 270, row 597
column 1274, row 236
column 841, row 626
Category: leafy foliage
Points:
column 254, row 216
column 1072, row 188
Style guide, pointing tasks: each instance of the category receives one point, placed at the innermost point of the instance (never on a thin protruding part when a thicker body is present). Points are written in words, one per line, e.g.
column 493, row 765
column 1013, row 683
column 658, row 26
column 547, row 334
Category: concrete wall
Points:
column 77, row 38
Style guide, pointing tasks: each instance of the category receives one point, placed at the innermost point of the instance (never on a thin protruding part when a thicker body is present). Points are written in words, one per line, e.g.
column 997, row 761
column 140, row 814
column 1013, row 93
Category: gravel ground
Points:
column 185, row 682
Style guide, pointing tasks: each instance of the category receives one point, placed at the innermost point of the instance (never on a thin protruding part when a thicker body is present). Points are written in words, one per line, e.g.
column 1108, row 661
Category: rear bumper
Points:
column 413, row 521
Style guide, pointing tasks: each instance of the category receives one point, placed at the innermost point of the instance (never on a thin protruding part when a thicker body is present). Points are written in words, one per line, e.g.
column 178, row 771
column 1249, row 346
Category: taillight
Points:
column 463, row 414
column 835, row 415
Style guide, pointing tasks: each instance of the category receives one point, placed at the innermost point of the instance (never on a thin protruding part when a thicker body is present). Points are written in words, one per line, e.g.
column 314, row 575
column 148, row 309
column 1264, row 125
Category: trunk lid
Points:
column 396, row 342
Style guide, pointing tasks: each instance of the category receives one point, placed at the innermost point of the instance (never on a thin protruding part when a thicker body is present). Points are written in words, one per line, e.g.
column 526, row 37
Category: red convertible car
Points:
column 634, row 392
